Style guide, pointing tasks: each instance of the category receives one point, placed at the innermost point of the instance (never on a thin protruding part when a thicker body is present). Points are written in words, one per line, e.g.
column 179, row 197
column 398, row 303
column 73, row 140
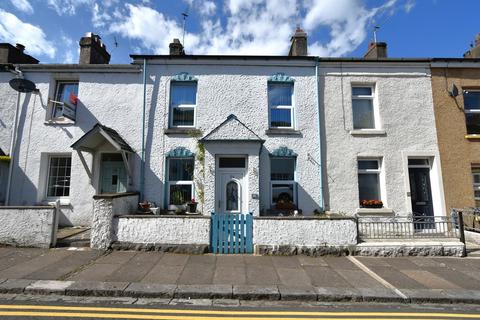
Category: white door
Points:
column 231, row 190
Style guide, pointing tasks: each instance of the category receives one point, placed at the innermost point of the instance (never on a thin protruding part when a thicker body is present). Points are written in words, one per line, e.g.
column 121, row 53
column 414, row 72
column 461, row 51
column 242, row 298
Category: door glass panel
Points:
column 232, row 196
column 231, row 162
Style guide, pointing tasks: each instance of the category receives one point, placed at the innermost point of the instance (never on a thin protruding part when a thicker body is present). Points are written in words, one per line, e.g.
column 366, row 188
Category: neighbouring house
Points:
column 456, row 97
column 381, row 140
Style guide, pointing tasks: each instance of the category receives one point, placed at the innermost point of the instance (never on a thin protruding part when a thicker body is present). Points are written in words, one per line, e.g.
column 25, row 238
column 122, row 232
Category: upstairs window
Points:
column 282, row 176
column 471, row 100
column 65, row 101
column 363, row 107
column 183, row 103
column 280, row 105
column 369, row 179
column 476, row 185
column 58, row 183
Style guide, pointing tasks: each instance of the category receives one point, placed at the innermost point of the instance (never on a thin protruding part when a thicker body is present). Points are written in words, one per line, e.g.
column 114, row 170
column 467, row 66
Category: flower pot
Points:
column 192, row 207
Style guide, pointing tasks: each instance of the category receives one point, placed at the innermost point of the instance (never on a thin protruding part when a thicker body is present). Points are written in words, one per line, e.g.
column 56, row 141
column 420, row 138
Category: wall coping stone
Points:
column 27, row 207
column 152, row 216
column 114, row 195
column 304, row 218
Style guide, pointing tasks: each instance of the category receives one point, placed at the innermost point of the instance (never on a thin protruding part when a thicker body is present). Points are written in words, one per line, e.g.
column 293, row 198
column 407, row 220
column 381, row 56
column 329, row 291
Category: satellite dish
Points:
column 22, row 85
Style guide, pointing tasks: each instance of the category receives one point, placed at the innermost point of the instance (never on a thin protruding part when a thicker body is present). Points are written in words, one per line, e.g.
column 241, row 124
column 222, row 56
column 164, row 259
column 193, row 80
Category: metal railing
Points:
column 471, row 218
column 408, row 227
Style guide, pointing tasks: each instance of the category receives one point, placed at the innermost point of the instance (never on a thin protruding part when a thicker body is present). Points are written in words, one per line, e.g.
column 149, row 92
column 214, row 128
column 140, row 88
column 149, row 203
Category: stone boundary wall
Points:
column 105, row 207
column 163, row 232
column 304, row 235
column 34, row 226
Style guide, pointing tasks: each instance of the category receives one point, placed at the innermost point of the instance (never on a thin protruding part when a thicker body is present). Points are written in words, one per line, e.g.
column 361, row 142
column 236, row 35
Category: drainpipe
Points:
column 19, row 74
column 319, row 120
column 142, row 168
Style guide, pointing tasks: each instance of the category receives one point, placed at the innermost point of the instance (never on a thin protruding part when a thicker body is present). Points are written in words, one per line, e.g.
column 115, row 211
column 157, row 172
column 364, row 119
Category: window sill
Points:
column 60, row 121
column 282, row 132
column 51, row 202
column 368, row 132
column 472, row 136
column 182, row 131
column 374, row 212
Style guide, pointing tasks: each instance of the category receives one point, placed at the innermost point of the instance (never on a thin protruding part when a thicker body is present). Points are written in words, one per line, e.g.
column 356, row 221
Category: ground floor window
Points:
column 369, row 181
column 476, row 185
column 283, row 186
column 58, row 181
column 180, row 180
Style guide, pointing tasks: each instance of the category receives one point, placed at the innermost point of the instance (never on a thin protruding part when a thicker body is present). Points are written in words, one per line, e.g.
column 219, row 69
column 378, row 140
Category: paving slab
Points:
column 94, row 272
column 230, row 275
column 258, row 260
column 86, row 288
column 375, row 261
column 397, row 279
column 302, row 293
column 163, row 274
column 230, row 261
column 325, row 277
column 197, row 274
column 338, row 294
column 359, row 279
column 312, row 261
column 340, row 263
column 219, row 291
column 402, row 263
column 62, row 268
column 261, row 275
column 14, row 285
column 426, row 262
column 173, row 259
column 145, row 290
column 290, row 262
column 293, row 277
column 117, row 257
column 48, row 287
column 136, row 268
column 202, row 259
column 429, row 279
column 457, row 278
column 14, row 256
column 21, row 270
column 249, row 292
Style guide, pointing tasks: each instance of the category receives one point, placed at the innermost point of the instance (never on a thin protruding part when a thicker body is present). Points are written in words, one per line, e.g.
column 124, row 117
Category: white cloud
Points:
column 99, row 18
column 251, row 27
column 71, row 49
column 22, row 5
column 14, row 30
column 409, row 4
column 67, row 7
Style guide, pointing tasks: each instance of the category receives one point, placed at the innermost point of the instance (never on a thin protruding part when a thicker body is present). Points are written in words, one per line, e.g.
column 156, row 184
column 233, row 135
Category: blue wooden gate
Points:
column 231, row 233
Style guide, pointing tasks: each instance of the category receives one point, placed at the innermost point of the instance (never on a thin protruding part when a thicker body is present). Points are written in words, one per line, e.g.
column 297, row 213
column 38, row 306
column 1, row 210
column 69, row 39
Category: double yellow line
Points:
column 179, row 314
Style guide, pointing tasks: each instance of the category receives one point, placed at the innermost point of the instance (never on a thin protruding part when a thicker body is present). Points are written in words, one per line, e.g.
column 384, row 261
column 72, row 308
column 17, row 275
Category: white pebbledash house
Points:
column 266, row 135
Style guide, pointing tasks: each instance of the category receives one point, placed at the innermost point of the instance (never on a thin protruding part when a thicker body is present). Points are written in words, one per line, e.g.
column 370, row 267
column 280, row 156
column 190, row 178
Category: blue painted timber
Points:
column 231, row 233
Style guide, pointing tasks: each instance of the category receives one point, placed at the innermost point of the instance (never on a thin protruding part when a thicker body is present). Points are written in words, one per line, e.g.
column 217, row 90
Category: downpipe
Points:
column 319, row 121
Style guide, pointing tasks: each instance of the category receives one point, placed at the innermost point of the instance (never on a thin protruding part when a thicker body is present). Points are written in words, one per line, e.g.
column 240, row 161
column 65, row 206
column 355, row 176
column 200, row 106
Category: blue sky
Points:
column 50, row 29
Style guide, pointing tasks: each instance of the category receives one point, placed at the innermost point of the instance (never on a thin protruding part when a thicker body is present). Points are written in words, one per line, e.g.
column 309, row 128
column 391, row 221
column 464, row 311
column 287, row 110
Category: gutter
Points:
column 142, row 167
column 319, row 121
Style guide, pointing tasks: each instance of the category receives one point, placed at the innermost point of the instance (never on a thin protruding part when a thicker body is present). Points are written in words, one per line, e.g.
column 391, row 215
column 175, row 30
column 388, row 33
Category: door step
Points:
column 73, row 237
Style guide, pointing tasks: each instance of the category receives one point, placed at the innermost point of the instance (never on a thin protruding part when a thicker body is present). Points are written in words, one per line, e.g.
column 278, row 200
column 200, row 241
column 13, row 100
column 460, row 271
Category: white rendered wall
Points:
column 304, row 232
column 28, row 226
column 403, row 93
column 164, row 230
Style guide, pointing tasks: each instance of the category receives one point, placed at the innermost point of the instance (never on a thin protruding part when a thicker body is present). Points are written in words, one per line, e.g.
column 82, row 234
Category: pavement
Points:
column 136, row 275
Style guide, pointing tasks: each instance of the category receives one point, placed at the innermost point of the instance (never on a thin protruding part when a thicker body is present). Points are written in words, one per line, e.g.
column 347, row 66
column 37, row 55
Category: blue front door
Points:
column 113, row 174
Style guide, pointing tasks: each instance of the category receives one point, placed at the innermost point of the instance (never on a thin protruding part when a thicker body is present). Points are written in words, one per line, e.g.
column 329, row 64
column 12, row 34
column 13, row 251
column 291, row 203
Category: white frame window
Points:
column 59, row 169
column 182, row 107
column 472, row 111
column 59, row 98
column 290, row 182
column 279, row 106
column 370, row 169
column 180, row 182
column 476, row 183
column 362, row 97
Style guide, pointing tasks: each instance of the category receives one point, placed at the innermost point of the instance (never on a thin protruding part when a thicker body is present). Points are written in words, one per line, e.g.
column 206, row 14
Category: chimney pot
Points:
column 376, row 50
column 15, row 54
column 92, row 50
column 299, row 43
column 176, row 48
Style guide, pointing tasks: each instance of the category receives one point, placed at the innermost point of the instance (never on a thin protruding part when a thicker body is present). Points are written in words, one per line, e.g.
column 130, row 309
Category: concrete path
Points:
column 243, row 276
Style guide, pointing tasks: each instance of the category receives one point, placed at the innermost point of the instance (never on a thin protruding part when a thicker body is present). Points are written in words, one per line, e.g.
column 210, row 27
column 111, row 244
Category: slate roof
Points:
column 112, row 134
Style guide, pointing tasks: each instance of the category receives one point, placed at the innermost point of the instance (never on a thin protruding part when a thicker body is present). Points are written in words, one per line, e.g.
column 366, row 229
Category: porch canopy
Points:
column 96, row 137
column 232, row 130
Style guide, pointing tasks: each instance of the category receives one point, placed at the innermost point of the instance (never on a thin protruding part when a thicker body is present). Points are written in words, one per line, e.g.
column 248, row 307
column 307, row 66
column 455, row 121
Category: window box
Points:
column 371, row 204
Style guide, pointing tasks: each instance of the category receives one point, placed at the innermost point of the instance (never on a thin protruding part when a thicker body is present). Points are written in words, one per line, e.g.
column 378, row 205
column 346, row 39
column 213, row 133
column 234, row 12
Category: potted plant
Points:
column 371, row 204
column 178, row 202
column 192, row 206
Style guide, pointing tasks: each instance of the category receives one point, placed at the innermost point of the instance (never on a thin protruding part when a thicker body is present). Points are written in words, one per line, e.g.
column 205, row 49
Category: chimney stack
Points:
column 475, row 51
column 299, row 43
column 176, row 48
column 92, row 50
column 11, row 54
column 376, row 50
